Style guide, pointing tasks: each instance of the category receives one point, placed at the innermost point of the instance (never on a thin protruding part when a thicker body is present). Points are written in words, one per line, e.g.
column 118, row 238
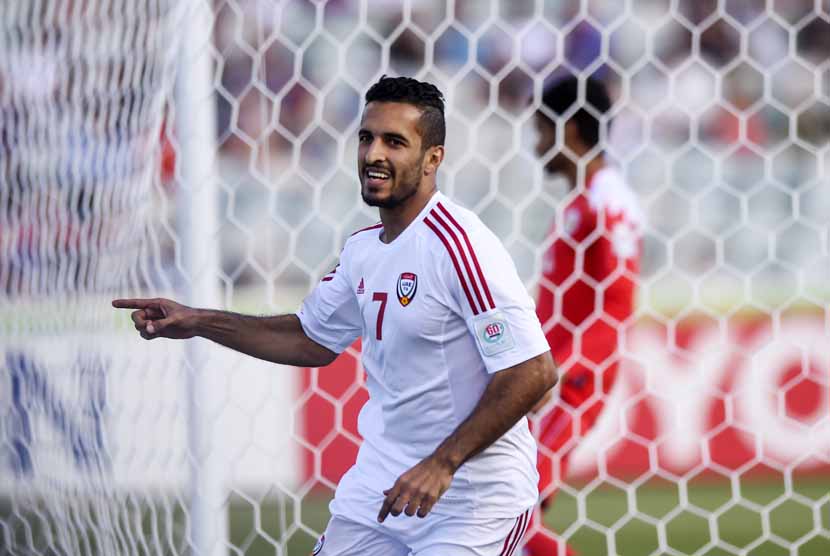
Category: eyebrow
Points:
column 397, row 136
column 386, row 135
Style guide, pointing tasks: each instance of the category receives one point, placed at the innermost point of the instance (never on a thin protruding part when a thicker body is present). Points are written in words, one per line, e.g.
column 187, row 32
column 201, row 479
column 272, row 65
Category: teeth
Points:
column 377, row 175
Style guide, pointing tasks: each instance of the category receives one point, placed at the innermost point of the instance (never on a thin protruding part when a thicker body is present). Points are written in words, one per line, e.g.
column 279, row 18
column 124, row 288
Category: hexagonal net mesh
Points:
column 713, row 439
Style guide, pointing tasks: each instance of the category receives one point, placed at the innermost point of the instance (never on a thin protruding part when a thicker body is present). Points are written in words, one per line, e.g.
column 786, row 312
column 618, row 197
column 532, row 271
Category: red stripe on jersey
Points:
column 524, row 519
column 461, row 278
column 528, row 517
column 330, row 275
column 507, row 547
column 463, row 255
column 367, row 228
column 472, row 254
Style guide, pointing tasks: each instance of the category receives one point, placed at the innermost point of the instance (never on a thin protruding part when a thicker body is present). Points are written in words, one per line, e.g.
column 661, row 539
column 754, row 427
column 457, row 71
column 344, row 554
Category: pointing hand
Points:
column 160, row 318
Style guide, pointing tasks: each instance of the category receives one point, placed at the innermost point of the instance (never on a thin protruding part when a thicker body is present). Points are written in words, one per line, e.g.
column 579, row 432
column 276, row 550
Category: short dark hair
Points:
column 424, row 96
column 564, row 93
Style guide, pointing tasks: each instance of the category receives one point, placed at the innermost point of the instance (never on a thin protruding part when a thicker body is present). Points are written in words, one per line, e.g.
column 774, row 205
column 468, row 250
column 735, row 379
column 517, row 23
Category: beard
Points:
column 404, row 190
column 398, row 197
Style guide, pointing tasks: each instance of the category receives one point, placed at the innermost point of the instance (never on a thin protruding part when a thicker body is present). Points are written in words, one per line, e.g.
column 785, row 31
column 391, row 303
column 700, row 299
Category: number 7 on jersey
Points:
column 380, row 296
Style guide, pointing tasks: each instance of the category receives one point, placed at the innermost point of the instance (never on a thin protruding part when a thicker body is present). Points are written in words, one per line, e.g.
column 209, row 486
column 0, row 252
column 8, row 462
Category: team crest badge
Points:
column 407, row 287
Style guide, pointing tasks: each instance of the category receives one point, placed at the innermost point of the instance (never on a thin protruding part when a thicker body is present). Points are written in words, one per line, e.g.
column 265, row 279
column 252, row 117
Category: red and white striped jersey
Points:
column 439, row 309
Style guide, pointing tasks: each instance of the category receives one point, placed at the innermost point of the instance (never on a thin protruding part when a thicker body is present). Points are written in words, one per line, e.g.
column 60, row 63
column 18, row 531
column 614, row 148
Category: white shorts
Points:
column 438, row 536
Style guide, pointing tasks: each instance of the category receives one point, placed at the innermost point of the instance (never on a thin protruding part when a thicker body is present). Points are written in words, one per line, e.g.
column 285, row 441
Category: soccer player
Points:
column 589, row 274
column 453, row 350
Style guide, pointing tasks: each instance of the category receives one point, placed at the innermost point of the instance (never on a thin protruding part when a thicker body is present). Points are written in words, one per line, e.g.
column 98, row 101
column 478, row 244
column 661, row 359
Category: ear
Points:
column 433, row 159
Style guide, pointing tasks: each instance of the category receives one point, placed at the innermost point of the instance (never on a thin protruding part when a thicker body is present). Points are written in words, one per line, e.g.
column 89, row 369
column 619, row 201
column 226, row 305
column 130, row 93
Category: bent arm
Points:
column 509, row 396
column 279, row 339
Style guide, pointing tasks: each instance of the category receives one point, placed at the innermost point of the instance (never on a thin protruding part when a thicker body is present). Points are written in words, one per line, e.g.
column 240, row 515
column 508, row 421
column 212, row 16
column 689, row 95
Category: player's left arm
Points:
column 509, row 396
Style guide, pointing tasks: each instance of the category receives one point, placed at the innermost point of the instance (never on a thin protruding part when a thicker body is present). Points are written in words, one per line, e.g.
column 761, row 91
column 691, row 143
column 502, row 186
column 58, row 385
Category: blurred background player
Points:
column 588, row 277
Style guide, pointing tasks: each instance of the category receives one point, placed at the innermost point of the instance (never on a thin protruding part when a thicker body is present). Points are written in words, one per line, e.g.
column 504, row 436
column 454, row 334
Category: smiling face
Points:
column 391, row 161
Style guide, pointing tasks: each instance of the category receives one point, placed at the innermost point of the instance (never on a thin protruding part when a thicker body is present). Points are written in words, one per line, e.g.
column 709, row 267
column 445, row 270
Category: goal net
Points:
column 206, row 151
column 83, row 87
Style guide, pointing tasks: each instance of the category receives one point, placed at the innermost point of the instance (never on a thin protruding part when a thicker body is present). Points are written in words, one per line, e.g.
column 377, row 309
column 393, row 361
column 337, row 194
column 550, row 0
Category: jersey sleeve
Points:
column 330, row 315
column 488, row 294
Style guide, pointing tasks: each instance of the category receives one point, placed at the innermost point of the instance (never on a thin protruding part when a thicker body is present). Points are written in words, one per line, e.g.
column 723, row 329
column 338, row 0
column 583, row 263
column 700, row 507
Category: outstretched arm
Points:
column 280, row 339
column 509, row 396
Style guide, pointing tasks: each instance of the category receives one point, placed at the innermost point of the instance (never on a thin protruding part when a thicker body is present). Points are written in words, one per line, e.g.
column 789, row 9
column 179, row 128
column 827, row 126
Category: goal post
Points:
column 197, row 223
column 206, row 150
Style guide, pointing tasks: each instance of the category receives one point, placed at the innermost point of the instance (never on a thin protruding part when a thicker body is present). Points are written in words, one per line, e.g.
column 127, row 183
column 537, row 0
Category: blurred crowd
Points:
column 721, row 122
column 721, row 118
column 80, row 112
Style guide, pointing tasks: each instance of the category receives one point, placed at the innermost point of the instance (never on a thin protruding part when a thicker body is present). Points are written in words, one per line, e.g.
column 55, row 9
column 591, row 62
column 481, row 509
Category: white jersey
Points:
column 439, row 310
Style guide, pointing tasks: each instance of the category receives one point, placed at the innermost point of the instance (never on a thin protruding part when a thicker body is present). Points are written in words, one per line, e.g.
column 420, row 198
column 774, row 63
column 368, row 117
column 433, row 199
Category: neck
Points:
column 395, row 220
column 594, row 165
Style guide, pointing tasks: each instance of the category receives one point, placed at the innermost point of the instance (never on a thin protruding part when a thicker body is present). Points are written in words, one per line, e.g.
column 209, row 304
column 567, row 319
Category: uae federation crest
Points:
column 407, row 287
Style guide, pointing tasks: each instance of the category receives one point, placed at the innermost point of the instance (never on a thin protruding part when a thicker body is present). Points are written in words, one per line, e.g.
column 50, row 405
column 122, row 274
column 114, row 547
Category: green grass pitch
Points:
column 706, row 518
column 716, row 521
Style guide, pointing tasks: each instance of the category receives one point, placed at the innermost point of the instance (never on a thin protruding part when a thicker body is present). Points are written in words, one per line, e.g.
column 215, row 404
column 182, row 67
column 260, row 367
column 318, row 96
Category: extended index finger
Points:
column 133, row 303
column 391, row 497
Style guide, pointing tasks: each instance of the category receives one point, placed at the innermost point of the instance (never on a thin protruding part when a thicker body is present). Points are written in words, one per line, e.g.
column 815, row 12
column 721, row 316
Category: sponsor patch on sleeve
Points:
column 493, row 333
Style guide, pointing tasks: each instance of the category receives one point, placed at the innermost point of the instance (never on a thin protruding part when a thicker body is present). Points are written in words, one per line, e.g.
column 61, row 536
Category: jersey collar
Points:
column 436, row 197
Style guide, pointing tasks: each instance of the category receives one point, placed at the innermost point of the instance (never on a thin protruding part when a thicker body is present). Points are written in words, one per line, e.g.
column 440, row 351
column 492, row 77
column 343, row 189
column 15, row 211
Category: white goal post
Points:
column 206, row 150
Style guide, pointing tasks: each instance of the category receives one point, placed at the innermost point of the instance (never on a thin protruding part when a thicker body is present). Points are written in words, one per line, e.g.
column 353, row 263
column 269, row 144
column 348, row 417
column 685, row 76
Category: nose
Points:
column 374, row 152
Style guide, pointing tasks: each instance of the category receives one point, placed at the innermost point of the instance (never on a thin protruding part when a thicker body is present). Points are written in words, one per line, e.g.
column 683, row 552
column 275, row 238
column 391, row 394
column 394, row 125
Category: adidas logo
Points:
column 360, row 288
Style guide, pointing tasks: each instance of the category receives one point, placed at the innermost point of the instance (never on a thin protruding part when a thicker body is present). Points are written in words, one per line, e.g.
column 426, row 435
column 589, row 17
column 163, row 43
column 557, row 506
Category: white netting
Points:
column 717, row 435
column 83, row 86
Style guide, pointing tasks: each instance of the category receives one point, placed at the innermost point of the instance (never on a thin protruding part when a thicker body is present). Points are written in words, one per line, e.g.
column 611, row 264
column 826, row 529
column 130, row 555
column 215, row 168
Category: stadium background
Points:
column 716, row 440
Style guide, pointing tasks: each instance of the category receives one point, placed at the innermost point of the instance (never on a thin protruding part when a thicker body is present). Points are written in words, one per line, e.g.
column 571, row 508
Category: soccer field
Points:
column 712, row 521
column 709, row 525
